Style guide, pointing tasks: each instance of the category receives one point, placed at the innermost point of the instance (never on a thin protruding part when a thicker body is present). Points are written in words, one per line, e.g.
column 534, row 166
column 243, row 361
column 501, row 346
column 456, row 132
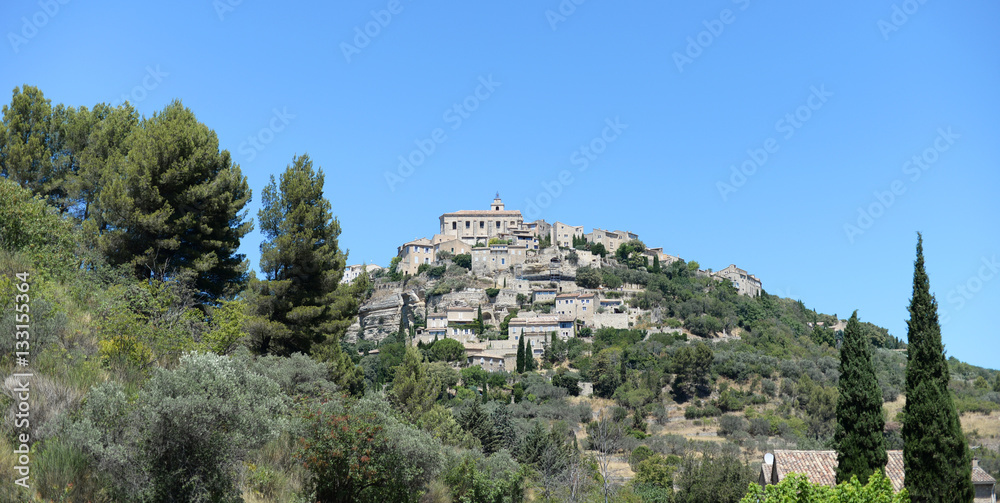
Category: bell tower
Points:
column 497, row 203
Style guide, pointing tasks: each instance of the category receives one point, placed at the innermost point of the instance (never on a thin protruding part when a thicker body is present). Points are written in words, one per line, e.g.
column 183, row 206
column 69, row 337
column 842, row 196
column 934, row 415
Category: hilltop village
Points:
column 487, row 278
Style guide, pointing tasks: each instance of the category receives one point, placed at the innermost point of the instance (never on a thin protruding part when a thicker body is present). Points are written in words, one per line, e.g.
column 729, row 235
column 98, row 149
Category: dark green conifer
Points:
column 936, row 457
column 858, row 438
column 520, row 353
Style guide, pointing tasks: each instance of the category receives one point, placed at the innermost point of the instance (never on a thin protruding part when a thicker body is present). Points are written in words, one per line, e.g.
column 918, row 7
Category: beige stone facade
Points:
column 414, row 253
column 540, row 326
column 472, row 226
column 451, row 245
column 353, row 272
column 563, row 234
column 610, row 239
column 497, row 257
column 745, row 284
column 580, row 306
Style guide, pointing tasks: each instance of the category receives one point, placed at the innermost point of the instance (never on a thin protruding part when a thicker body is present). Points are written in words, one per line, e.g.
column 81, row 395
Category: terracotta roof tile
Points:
column 819, row 466
column 980, row 475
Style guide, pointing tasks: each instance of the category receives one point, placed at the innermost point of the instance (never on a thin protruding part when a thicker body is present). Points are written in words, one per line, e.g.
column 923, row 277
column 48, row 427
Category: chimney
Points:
column 975, row 463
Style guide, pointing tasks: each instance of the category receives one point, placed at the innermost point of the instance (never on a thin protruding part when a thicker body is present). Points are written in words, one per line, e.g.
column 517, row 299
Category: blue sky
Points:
column 822, row 106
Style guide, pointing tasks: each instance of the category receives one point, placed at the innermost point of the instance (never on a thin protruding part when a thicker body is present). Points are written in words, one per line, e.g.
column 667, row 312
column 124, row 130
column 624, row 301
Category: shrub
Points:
column 730, row 424
column 463, row 260
column 187, row 433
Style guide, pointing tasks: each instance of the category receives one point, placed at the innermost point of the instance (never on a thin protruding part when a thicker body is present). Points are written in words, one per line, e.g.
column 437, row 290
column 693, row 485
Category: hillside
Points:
column 162, row 369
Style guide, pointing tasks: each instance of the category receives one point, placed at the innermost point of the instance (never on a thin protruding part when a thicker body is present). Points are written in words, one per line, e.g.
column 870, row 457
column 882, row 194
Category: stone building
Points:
column 414, row 253
column 611, row 239
column 472, row 226
column 497, row 257
column 538, row 327
column 745, row 284
column 450, row 244
column 539, row 228
column 353, row 272
column 562, row 234
column 581, row 306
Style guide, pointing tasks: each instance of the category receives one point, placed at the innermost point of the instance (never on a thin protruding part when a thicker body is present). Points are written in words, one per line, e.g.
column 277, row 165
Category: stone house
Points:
column 414, row 253
column 353, row 272
column 472, row 226
column 450, row 244
column 542, row 325
column 543, row 295
column 611, row 239
column 491, row 360
column 460, row 322
column 821, row 468
column 745, row 283
column 497, row 257
column 562, row 234
column 539, row 228
column 580, row 306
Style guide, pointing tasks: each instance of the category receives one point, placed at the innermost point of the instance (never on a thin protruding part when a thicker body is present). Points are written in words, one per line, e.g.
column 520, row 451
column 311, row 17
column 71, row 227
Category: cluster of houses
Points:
column 499, row 241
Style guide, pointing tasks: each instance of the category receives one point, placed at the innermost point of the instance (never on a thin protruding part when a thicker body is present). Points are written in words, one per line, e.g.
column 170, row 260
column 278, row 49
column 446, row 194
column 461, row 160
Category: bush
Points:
column 187, row 433
column 729, row 424
column 693, row 412
column 463, row 260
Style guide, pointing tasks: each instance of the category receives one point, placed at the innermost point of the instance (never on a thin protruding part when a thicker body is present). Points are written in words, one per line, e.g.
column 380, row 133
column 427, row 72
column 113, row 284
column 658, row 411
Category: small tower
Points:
column 497, row 203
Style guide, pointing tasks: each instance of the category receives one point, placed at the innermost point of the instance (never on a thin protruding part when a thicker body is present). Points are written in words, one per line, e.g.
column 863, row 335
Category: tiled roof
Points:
column 980, row 476
column 894, row 469
column 819, row 466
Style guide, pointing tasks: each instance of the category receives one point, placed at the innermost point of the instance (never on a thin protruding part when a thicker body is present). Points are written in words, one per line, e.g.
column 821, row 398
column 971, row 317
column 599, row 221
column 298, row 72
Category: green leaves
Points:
column 935, row 454
column 796, row 488
column 301, row 263
column 858, row 437
column 173, row 207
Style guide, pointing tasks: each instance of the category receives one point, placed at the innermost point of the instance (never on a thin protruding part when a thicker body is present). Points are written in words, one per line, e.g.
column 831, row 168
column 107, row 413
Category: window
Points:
column 498, row 224
column 503, row 261
column 481, row 224
column 467, row 224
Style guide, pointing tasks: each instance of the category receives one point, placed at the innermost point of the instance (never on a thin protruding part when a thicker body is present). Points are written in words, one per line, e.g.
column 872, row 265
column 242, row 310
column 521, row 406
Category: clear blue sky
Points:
column 868, row 86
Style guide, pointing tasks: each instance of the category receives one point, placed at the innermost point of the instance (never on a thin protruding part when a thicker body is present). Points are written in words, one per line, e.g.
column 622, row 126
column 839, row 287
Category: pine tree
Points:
column 858, row 438
column 175, row 207
column 520, row 353
column 936, row 458
column 479, row 321
column 301, row 262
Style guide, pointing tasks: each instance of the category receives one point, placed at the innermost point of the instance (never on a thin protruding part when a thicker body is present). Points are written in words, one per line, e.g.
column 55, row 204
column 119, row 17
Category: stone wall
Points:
column 611, row 320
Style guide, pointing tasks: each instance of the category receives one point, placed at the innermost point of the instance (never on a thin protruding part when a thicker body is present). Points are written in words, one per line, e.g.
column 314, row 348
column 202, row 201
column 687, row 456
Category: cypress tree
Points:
column 520, row 353
column 858, row 438
column 936, row 458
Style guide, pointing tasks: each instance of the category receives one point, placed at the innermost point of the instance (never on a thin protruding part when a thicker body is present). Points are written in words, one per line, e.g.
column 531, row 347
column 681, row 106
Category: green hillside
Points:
column 163, row 370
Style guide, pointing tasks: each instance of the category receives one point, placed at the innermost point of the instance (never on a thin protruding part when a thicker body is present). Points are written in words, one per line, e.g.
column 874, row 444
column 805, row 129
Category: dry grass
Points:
column 986, row 425
column 893, row 408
